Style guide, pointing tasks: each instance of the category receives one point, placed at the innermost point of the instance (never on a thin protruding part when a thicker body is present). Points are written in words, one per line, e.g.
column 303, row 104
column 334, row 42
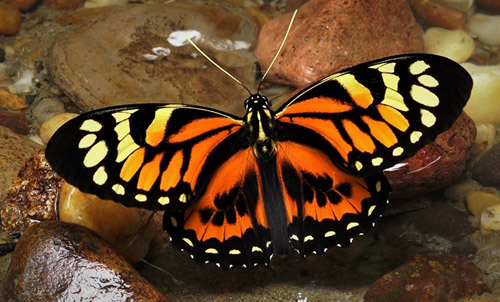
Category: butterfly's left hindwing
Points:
column 148, row 156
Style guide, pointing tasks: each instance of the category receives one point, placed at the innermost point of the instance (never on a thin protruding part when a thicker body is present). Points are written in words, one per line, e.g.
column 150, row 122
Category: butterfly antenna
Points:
column 279, row 50
column 216, row 65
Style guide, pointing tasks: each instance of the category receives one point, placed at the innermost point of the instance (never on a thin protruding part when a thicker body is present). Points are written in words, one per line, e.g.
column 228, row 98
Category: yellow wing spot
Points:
column 424, row 96
column 173, row 221
column 268, row 244
column 234, row 252
column 385, row 67
column 415, row 136
column 189, row 242
column 119, row 189
column 358, row 165
column 418, row 67
column 96, row 154
column 164, row 200
column 122, row 129
column 394, row 99
column 125, row 148
column 352, row 225
column 141, row 198
column 361, row 95
column 390, row 80
column 155, row 133
column 377, row 161
column 428, row 81
column 294, row 237
column 378, row 186
column 209, row 250
column 120, row 116
column 428, row 119
column 100, row 176
column 87, row 141
column 397, row 151
column 308, row 238
column 91, row 126
column 330, row 234
column 183, row 198
column 132, row 164
column 370, row 210
column 256, row 249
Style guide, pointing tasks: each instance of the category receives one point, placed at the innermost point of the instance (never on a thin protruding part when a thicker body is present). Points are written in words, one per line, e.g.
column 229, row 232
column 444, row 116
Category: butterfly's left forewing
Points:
column 149, row 156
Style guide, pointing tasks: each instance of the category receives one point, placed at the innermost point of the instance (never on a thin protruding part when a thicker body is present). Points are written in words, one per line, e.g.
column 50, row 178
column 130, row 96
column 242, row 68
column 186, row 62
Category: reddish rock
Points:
column 10, row 19
column 429, row 277
column 56, row 261
column 16, row 122
column 493, row 5
column 328, row 36
column 436, row 165
column 434, row 13
column 22, row 4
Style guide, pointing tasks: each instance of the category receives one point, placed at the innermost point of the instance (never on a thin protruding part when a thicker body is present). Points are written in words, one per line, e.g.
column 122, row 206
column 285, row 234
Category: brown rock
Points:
column 493, row 5
column 13, row 157
column 328, row 36
column 487, row 170
column 21, row 4
column 10, row 19
column 16, row 122
column 119, row 73
column 429, row 277
column 64, row 4
column 12, row 101
column 436, row 165
column 56, row 261
column 434, row 13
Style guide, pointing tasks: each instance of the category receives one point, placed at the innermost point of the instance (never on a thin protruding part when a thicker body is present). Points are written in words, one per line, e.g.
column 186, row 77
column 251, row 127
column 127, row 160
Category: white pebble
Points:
column 458, row 191
column 47, row 108
column 484, row 103
column 454, row 44
column 25, row 82
column 51, row 125
column 486, row 28
column 490, row 218
column 485, row 138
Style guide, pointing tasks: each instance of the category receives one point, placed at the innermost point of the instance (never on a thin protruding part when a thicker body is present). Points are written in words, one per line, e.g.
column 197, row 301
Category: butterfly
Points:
column 237, row 190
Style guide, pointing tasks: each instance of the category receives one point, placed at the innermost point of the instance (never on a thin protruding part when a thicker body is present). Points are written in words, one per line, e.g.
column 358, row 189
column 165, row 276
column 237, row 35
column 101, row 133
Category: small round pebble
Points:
column 486, row 171
column 47, row 108
column 458, row 191
column 486, row 28
column 478, row 201
column 10, row 19
column 453, row 44
column 51, row 125
column 435, row 13
column 485, row 138
column 12, row 101
column 490, row 218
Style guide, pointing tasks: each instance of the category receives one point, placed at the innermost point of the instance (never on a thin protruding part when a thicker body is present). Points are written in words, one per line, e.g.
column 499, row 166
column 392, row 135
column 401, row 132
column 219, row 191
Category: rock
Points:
column 48, row 128
column 486, row 28
column 434, row 13
column 429, row 277
column 120, row 74
column 459, row 191
column 21, row 4
column 483, row 105
column 436, row 165
column 493, row 5
column 31, row 197
column 486, row 171
column 485, row 139
column 46, row 108
column 454, row 44
column 478, row 201
column 13, row 157
column 490, row 218
column 328, row 36
column 128, row 230
column 56, row 261
column 462, row 5
column 10, row 19
column 12, row 101
column 16, row 122
column 102, row 3
column 64, row 4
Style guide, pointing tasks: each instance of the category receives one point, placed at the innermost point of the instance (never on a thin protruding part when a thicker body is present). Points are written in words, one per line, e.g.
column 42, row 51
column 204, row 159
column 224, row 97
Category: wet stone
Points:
column 486, row 171
column 56, row 261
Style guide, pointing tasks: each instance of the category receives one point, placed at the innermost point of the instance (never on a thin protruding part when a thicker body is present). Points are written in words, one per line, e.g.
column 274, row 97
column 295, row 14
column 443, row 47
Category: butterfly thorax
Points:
column 260, row 122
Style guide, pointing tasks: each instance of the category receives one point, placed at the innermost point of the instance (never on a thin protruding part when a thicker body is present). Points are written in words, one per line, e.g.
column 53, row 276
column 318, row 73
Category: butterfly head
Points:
column 260, row 122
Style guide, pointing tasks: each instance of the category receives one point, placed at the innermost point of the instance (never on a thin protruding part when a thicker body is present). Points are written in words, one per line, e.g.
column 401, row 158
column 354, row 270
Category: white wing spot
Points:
column 371, row 209
column 87, row 141
column 358, row 165
column 96, row 154
column 330, row 234
column 164, row 200
column 397, row 151
column 122, row 129
column 234, row 252
column 119, row 189
column 91, row 126
column 256, row 249
column 428, row 80
column 141, row 197
column 424, row 96
column 415, row 136
column 183, row 198
column 189, row 242
column 352, row 225
column 428, row 119
column 377, row 161
column 418, row 67
column 308, row 238
column 378, row 186
column 209, row 250
column 294, row 237
column 100, row 176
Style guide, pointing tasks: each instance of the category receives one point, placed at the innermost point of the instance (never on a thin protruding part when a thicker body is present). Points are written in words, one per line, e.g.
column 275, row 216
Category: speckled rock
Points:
column 436, row 165
column 31, row 197
column 10, row 19
column 128, row 71
column 56, row 261
column 487, row 170
column 13, row 157
column 328, row 36
column 429, row 277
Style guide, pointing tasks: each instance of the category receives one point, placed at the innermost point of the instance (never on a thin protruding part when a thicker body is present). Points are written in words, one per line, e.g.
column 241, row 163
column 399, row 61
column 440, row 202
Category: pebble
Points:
column 453, row 44
column 24, row 84
column 57, row 261
column 485, row 139
column 436, row 13
column 119, row 74
column 21, row 4
column 429, row 277
column 46, row 108
column 459, row 191
column 486, row 171
column 10, row 19
column 49, row 127
column 436, row 165
column 484, row 104
column 16, row 122
column 12, row 101
column 64, row 4
column 478, row 201
column 493, row 5
column 102, row 3
column 486, row 28
column 490, row 218
column 129, row 230
column 328, row 36
column 462, row 5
